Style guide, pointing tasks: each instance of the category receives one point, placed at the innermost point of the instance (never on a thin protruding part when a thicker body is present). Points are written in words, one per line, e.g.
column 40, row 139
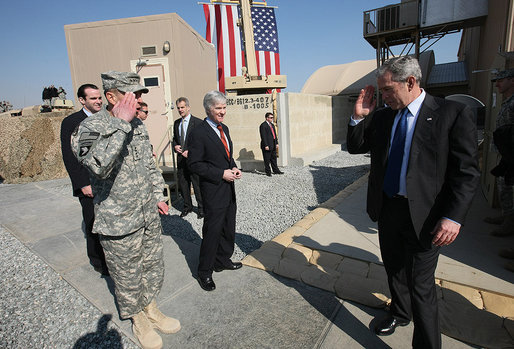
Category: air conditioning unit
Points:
column 397, row 16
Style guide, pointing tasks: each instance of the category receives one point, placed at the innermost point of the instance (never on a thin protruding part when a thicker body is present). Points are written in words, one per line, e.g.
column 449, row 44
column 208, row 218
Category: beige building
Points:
column 172, row 59
column 487, row 45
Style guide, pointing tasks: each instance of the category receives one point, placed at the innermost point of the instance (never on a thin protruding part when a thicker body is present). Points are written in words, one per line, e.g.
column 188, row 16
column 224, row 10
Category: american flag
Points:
column 222, row 30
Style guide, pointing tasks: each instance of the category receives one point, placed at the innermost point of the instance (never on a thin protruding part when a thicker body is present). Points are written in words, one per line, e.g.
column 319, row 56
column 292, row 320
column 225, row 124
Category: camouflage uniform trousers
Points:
column 506, row 192
column 506, row 196
column 135, row 262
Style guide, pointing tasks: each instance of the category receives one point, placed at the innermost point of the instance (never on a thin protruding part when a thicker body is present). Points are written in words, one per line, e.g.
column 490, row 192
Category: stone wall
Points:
column 316, row 122
column 310, row 127
column 30, row 147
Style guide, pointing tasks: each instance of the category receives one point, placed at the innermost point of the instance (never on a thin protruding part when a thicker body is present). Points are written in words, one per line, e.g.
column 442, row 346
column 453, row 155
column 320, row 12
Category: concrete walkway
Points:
column 250, row 308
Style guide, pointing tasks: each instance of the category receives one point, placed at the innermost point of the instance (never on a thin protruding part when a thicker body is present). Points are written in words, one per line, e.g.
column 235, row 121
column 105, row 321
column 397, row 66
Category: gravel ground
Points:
column 32, row 293
column 38, row 309
column 266, row 206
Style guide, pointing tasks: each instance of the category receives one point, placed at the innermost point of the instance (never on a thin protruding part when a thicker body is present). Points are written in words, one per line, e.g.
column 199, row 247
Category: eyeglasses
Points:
column 145, row 111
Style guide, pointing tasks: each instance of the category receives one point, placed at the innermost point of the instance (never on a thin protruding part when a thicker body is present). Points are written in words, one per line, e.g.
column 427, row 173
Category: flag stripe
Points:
column 208, row 32
column 267, row 63
column 219, row 45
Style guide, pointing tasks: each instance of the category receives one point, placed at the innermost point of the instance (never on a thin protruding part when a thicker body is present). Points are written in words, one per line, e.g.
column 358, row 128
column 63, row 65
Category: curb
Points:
column 476, row 316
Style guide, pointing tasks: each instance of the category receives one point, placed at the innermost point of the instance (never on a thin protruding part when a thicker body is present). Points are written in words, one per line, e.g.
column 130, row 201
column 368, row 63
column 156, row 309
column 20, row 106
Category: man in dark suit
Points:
column 181, row 129
column 269, row 145
column 91, row 100
column 423, row 177
column 211, row 157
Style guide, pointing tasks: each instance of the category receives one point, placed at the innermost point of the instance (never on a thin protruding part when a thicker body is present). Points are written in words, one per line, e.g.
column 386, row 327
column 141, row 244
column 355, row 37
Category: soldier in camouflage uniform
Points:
column 128, row 190
column 505, row 84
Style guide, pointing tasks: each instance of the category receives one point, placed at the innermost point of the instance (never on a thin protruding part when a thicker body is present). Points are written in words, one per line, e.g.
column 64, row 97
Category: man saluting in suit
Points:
column 181, row 128
column 210, row 156
column 423, row 176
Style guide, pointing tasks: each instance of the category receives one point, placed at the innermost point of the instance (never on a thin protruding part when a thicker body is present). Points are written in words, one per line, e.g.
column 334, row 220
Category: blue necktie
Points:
column 394, row 163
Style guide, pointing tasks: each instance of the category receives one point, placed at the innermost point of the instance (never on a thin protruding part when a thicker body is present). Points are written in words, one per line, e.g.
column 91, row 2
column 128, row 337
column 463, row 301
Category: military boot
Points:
column 144, row 332
column 494, row 219
column 160, row 321
column 507, row 228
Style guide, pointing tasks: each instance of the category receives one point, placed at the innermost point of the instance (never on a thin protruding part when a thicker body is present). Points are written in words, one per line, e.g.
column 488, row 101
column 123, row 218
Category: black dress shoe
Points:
column 185, row 213
column 268, row 174
column 387, row 326
column 279, row 172
column 231, row 266
column 207, row 283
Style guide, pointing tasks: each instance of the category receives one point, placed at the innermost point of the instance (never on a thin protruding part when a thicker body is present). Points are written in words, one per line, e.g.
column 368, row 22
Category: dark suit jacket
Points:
column 193, row 122
column 79, row 175
column 208, row 158
column 267, row 137
column 442, row 173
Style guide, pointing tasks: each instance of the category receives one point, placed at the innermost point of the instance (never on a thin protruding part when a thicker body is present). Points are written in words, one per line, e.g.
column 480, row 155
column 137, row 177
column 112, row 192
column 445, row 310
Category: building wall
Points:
column 479, row 46
column 244, row 116
column 315, row 122
column 189, row 69
column 309, row 127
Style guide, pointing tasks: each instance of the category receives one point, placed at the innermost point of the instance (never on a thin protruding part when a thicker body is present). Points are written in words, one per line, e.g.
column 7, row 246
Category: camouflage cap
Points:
column 509, row 73
column 122, row 81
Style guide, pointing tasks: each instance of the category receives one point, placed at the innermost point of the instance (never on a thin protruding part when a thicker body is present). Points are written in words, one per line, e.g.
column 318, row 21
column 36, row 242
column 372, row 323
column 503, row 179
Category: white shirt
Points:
column 412, row 117
column 215, row 128
column 87, row 112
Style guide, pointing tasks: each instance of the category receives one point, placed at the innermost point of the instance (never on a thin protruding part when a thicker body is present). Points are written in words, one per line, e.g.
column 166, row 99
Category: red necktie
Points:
column 222, row 135
column 272, row 131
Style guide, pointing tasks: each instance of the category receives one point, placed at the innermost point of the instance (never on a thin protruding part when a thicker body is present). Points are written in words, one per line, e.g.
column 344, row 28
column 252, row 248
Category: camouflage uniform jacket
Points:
column 506, row 114
column 126, row 183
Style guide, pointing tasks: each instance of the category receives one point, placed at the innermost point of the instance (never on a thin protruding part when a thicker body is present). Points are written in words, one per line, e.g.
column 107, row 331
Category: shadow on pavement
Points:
column 102, row 338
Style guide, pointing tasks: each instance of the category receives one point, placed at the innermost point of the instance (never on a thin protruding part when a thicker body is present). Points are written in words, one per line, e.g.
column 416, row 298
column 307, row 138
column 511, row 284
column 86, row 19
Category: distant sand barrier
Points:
column 30, row 147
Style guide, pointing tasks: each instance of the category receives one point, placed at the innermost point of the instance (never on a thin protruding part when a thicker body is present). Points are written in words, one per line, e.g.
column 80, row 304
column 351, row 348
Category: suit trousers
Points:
column 218, row 236
column 410, row 266
column 185, row 179
column 270, row 157
column 95, row 251
column 136, row 265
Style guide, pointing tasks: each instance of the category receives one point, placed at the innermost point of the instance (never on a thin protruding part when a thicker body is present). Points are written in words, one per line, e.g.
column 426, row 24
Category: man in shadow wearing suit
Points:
column 211, row 157
column 181, row 129
column 269, row 145
column 90, row 98
column 423, row 177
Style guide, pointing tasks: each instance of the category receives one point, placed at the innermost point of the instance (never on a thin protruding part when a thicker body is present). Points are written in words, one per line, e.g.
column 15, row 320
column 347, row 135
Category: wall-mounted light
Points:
column 166, row 47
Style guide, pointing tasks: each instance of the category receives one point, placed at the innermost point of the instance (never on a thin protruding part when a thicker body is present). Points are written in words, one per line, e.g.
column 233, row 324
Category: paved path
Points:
column 250, row 308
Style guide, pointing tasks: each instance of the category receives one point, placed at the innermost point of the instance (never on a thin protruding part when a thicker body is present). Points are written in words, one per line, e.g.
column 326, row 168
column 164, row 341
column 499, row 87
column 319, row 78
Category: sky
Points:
column 312, row 34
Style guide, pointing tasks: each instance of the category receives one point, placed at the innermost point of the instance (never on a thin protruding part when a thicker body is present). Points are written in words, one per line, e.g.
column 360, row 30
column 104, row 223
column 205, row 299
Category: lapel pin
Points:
column 429, row 119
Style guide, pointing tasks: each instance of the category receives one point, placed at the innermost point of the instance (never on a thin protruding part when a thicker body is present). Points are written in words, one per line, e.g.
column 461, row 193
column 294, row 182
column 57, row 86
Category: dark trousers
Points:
column 185, row 179
column 410, row 266
column 218, row 236
column 270, row 157
column 95, row 251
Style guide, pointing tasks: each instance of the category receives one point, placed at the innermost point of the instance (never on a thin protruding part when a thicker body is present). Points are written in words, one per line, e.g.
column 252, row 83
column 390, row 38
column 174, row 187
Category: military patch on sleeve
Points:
column 86, row 141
